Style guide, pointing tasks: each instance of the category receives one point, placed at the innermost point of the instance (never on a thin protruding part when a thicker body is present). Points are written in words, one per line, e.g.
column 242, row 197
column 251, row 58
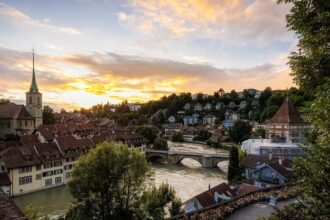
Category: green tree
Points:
column 4, row 101
column 155, row 200
column 309, row 19
column 240, row 131
column 107, row 183
column 260, row 132
column 160, row 144
column 147, row 132
column 31, row 213
column 234, row 171
column 177, row 137
column 310, row 69
column 48, row 116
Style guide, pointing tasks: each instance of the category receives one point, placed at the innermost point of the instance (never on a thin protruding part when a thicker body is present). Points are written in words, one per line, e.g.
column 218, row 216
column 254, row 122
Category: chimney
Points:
column 270, row 156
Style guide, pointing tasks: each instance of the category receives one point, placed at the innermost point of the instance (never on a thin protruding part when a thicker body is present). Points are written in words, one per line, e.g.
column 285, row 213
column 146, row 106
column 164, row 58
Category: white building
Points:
column 133, row 107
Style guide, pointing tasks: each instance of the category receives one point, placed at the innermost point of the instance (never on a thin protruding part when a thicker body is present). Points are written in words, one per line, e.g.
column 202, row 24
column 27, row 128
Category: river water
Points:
column 187, row 178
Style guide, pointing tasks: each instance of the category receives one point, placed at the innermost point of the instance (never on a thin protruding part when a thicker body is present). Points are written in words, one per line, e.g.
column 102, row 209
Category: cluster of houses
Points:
column 45, row 154
column 260, row 172
column 46, row 158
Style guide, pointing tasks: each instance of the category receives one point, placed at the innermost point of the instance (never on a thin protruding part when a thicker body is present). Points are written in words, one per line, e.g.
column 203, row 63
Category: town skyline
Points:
column 82, row 61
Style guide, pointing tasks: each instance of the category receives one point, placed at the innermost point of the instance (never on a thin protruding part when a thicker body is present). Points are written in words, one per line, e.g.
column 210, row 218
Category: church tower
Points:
column 34, row 100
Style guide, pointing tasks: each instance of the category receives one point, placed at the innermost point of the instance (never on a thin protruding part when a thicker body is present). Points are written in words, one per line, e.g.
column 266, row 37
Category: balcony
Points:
column 266, row 180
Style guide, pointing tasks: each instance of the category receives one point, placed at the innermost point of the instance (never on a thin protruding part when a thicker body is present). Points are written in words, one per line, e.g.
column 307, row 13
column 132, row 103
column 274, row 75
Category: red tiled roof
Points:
column 287, row 113
column 12, row 110
column 48, row 152
column 15, row 157
column 251, row 160
column 207, row 198
column 8, row 208
column 29, row 140
column 246, row 188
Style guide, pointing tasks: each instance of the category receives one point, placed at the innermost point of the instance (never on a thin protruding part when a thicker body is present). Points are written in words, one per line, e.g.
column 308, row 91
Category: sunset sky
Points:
column 95, row 51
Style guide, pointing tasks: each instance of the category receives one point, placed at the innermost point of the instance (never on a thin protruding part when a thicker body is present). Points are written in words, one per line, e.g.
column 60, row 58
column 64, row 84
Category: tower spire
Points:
column 34, row 86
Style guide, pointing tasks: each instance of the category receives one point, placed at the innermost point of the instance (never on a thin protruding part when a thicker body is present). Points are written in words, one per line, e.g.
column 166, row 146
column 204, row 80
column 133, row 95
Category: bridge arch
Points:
column 157, row 157
column 180, row 159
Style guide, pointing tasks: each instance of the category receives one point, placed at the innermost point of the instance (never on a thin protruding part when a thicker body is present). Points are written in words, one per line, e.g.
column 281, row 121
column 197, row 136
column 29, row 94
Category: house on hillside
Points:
column 220, row 105
column 190, row 120
column 171, row 119
column 133, row 107
column 242, row 104
column 263, row 171
column 187, row 106
column 198, row 107
column 209, row 119
column 231, row 104
column 208, row 107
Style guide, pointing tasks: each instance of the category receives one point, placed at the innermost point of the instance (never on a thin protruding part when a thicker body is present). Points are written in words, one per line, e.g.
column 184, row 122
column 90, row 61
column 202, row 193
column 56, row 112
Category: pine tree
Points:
column 234, row 172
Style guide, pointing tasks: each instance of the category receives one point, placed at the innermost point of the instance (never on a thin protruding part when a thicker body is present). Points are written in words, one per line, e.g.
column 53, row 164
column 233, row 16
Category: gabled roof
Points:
column 15, row 157
column 48, row 152
column 29, row 140
column 288, row 114
column 246, row 188
column 207, row 198
column 11, row 110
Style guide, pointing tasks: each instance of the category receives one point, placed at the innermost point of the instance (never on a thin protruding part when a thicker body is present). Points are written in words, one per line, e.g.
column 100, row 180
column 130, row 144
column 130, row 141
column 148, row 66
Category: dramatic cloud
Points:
column 235, row 21
column 13, row 15
column 113, row 77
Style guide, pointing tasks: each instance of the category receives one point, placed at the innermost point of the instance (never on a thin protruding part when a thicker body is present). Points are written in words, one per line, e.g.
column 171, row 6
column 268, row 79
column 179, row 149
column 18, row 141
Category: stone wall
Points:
column 222, row 210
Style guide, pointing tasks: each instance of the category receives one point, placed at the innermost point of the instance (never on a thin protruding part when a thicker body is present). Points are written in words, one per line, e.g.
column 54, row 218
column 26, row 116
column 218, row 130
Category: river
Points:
column 187, row 178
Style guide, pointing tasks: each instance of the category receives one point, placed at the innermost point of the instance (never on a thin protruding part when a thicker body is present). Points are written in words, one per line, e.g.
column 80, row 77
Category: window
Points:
column 8, row 124
column 48, row 165
column 25, row 180
column 58, row 180
column 68, row 167
column 38, row 176
column 25, row 169
column 25, row 123
column 48, row 182
column 57, row 164
column 38, row 100
column 56, row 172
column 38, row 167
column 67, row 175
column 30, row 100
column 49, row 173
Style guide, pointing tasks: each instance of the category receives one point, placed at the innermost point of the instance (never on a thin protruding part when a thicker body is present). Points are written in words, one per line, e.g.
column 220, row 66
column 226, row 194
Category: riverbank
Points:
column 187, row 178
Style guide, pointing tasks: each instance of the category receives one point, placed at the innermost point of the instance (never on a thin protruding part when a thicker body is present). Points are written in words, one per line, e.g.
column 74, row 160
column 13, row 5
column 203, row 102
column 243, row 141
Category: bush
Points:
column 160, row 144
column 177, row 137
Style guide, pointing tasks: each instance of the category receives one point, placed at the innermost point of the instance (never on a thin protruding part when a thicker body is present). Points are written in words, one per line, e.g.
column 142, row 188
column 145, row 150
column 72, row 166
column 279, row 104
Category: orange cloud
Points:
column 236, row 21
column 112, row 77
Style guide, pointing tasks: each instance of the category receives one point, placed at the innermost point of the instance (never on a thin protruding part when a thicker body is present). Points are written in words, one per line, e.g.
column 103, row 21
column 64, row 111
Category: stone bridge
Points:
column 175, row 157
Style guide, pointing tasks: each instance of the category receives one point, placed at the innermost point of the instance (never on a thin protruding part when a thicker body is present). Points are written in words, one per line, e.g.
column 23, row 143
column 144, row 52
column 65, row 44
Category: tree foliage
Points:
column 147, row 132
column 107, row 183
column 177, row 137
column 309, row 19
column 113, row 182
column 310, row 69
column 240, row 131
column 48, row 116
column 234, row 171
column 160, row 144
